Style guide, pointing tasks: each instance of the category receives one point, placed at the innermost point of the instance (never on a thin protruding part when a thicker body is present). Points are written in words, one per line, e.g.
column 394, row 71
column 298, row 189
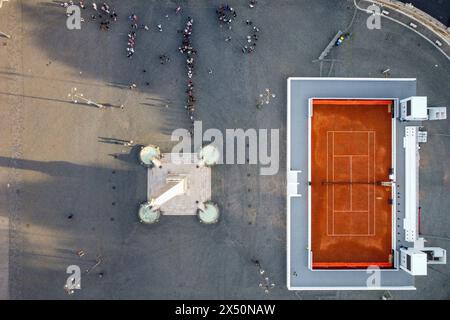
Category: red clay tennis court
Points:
column 351, row 157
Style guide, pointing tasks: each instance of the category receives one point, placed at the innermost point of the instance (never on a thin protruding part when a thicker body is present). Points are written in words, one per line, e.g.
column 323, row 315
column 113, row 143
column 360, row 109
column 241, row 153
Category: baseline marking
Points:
column 370, row 134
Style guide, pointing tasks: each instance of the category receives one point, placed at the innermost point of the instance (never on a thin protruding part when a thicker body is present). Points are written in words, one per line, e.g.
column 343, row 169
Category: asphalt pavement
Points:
column 53, row 163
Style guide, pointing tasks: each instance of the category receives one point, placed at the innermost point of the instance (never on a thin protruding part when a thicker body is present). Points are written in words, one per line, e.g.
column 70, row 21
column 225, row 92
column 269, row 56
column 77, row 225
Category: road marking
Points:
column 406, row 26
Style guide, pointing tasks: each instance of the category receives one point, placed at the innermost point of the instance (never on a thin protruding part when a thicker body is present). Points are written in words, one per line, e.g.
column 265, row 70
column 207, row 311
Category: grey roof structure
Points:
column 300, row 90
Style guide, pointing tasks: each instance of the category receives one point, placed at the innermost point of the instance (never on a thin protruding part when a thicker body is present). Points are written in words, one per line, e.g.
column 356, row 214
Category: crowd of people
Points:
column 132, row 35
column 226, row 14
column 105, row 14
column 251, row 39
column 187, row 49
column 164, row 58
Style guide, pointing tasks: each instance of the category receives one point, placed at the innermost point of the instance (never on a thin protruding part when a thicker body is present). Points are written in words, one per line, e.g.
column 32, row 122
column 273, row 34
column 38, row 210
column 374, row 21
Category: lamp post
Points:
column 74, row 96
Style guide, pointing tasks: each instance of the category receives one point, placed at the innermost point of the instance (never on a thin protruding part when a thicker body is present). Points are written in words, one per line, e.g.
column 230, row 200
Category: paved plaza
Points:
column 64, row 188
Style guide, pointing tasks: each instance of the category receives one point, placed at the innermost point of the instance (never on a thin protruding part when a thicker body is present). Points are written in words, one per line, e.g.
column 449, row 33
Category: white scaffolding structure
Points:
column 411, row 145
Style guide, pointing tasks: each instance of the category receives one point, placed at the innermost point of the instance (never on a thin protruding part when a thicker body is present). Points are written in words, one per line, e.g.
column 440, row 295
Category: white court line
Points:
column 351, row 186
column 328, row 199
column 351, row 211
column 332, row 170
column 352, row 235
column 374, row 198
column 368, row 179
column 345, row 131
column 350, row 155
column 351, row 179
